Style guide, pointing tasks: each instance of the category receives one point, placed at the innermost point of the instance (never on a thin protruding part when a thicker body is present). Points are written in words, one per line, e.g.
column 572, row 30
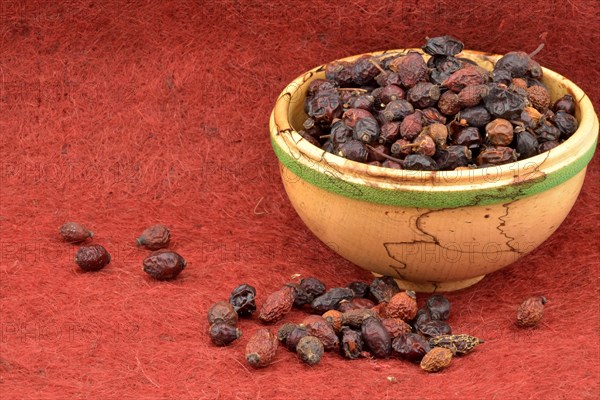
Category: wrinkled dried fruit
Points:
column 462, row 78
column 72, row 232
column 319, row 327
column 222, row 312
column 396, row 111
column 566, row 104
column 277, row 305
column 403, row 305
column 360, row 303
column 155, row 237
column 351, row 345
column 411, row 125
column 438, row 307
column 310, row 350
column 434, row 328
column 360, row 289
column 396, row 327
column 284, row 331
column 539, row 97
column 383, row 289
column 411, row 346
column 419, row 162
column 531, row 311
column 379, row 309
column 334, row 318
column 477, row 116
column 472, row 95
column 443, row 45
column 223, row 334
column 376, row 338
column 261, row 348
column 301, row 298
column 355, row 318
column 331, row 299
column 411, row 68
column 453, row 157
column 439, row 133
column 242, row 300
column 354, row 150
column 566, row 123
column 164, row 264
column 313, row 286
column 436, row 359
column 499, row 132
column 527, row 145
column 504, row 103
column 496, row 156
column 294, row 337
column 449, row 103
column 458, row 344
column 424, row 94
column 92, row 257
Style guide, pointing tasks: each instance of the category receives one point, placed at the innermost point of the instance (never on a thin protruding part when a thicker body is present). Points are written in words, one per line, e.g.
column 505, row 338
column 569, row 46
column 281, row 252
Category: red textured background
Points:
column 121, row 115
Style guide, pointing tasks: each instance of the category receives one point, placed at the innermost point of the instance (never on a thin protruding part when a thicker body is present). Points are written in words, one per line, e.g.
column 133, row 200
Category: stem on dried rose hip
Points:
column 383, row 154
column 353, row 90
column 377, row 66
column 536, row 51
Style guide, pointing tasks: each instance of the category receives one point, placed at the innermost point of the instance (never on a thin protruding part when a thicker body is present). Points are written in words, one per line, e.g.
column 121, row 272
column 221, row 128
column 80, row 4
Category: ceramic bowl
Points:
column 431, row 230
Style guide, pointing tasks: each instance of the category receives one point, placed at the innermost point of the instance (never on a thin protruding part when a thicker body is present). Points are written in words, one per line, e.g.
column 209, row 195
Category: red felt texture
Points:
column 123, row 114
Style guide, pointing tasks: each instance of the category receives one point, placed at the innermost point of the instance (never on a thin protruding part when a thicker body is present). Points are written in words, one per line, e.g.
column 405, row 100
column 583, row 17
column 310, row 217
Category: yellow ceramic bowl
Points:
column 431, row 230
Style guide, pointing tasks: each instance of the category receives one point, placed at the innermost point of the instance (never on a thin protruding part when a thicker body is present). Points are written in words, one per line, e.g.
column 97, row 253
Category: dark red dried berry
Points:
column 566, row 123
column 318, row 327
column 527, row 145
column 284, row 331
column 356, row 317
column 496, row 156
column 504, row 103
column 324, row 107
column 331, row 299
column 277, row 304
column 364, row 70
column 545, row 146
column 354, row 150
column 412, row 125
column 519, row 65
column 442, row 67
column 396, row 326
column 164, row 264
column 293, row 338
column 434, row 328
column 389, row 93
column 340, row 72
column 222, row 312
column 382, row 289
column 449, row 103
column 396, row 110
column 411, row 68
column 361, row 303
column 310, row 350
column 72, row 232
column 411, row 346
column 376, row 338
column 155, row 237
column 390, row 132
column 546, row 132
column 377, row 152
column 468, row 137
column 453, row 157
column 351, row 345
column 443, row 45
column 391, row 164
column 261, row 348
column 472, row 95
column 340, row 132
column 353, row 115
column 367, row 130
column 424, row 94
column 364, row 101
column 499, row 132
column 566, row 104
column 462, row 78
column 530, row 312
column 432, row 115
column 242, row 300
column 360, row 289
column 419, row 162
column 438, row 307
column 477, row 116
column 223, row 334
column 92, row 257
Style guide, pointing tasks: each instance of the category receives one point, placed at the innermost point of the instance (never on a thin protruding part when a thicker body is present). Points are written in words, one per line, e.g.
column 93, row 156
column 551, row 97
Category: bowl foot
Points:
column 435, row 287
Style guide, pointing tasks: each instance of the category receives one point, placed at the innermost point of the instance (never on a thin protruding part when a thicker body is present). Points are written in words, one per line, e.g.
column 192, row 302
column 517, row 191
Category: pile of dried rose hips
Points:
column 362, row 320
column 161, row 264
column 405, row 112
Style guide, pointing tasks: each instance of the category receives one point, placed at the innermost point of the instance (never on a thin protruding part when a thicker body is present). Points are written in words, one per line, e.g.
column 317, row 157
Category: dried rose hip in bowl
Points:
column 72, row 232
column 155, row 237
column 163, row 264
column 92, row 257
column 432, row 158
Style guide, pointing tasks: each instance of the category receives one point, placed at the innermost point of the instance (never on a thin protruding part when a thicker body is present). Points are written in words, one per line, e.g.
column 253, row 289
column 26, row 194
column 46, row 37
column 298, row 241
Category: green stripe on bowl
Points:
column 444, row 199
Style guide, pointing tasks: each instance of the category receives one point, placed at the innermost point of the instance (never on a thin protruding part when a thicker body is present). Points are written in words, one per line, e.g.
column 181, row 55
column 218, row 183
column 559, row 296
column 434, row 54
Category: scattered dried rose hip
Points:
column 411, row 346
column 436, row 359
column 351, row 345
column 277, row 304
column 155, row 237
column 310, row 350
column 377, row 338
column 164, row 264
column 223, row 334
column 242, row 300
column 318, row 327
column 531, row 311
column 222, row 312
column 261, row 348
column 92, row 257
column 403, row 305
column 72, row 232
column 438, row 307
column 390, row 103
column 331, row 299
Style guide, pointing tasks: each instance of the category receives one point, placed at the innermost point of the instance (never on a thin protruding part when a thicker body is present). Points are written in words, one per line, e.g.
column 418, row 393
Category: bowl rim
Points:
column 458, row 187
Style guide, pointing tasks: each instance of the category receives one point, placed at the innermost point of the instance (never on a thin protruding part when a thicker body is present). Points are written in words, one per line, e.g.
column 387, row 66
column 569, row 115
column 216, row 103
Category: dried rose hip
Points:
column 539, row 97
column 331, row 299
column 396, row 326
column 438, row 307
column 242, row 300
column 499, row 132
column 566, row 104
column 223, row 334
column 360, row 289
column 566, row 123
column 277, row 305
column 496, row 156
column 360, row 303
column 261, row 348
column 443, row 45
column 376, row 338
column 313, row 286
column 411, row 125
column 310, row 350
column 319, row 327
column 411, row 346
column 458, row 344
column 293, row 338
column 334, row 318
column 92, row 257
column 222, row 312
column 301, row 298
column 351, row 345
column 284, row 331
column 356, row 318
column 411, row 68
column 434, row 328
column 420, row 162
column 164, row 264
column 72, row 232
column 383, row 289
column 449, row 103
column 354, row 150
column 155, row 237
column 436, row 359
column 403, row 305
column 527, row 145
column 531, row 311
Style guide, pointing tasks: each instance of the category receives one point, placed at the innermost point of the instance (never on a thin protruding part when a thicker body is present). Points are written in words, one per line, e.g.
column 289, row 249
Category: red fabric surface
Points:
column 121, row 115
